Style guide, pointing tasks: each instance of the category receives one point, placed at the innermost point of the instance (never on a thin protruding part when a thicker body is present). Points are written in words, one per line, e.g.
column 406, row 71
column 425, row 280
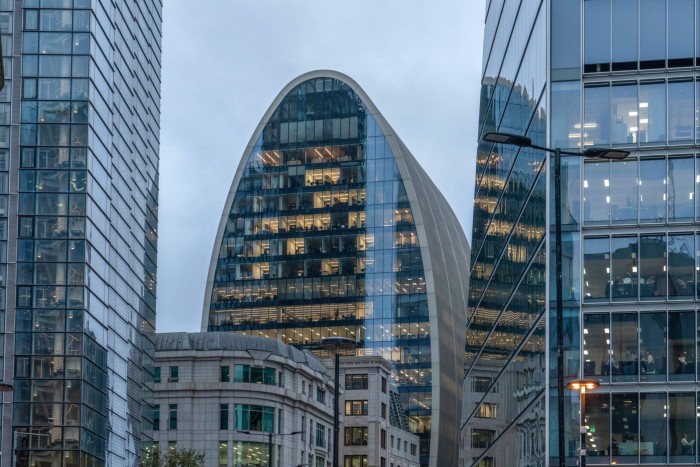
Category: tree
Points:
column 176, row 458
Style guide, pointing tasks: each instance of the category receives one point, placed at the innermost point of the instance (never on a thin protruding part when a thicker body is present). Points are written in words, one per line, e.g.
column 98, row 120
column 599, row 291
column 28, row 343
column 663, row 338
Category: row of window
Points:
column 646, row 346
column 241, row 374
column 638, row 268
column 246, row 417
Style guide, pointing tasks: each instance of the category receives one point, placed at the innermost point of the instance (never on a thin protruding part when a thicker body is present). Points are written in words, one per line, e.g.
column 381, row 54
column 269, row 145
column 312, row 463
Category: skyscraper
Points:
column 331, row 228
column 78, row 220
column 620, row 74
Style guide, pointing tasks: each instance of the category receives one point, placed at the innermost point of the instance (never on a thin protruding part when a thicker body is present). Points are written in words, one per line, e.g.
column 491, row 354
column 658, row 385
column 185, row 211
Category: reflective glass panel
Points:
column 624, row 361
column 624, row 114
column 652, row 346
column 652, row 191
column 624, row 35
column 625, row 280
column 596, row 32
column 681, row 111
column 596, row 269
column 596, row 345
column 596, row 193
column 652, row 427
column 680, row 33
column 681, row 189
column 598, row 419
column 596, row 119
column 566, row 114
column 652, row 267
column 652, row 113
column 681, row 345
column 625, row 428
column 623, row 192
column 682, row 436
column 652, row 37
column 681, row 266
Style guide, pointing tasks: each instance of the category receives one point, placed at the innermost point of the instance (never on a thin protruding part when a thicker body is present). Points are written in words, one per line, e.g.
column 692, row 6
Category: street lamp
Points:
column 269, row 441
column 582, row 385
column 335, row 345
column 5, row 387
column 599, row 153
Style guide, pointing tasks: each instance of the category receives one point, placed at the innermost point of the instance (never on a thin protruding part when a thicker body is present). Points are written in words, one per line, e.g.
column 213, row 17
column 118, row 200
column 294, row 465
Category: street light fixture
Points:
column 582, row 385
column 335, row 345
column 269, row 441
column 5, row 387
column 599, row 153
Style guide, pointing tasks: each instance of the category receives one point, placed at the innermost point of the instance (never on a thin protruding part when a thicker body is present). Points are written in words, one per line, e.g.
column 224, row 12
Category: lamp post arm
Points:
column 561, row 151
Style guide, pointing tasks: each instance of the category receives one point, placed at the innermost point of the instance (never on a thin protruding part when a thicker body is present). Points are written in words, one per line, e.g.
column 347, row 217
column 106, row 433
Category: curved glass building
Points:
column 331, row 228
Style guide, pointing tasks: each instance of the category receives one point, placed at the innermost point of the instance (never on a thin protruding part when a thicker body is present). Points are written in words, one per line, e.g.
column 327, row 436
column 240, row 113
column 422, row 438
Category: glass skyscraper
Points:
column 79, row 129
column 620, row 73
column 331, row 228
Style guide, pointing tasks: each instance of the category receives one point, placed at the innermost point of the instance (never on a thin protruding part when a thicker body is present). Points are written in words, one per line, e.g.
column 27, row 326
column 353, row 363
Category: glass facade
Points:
column 622, row 73
column 506, row 333
column 324, row 235
column 82, row 95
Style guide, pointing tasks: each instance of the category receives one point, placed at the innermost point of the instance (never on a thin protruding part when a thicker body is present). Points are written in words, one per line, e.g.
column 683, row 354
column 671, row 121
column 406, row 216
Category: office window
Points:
column 566, row 34
column 223, row 417
column 682, row 427
column 624, row 35
column 356, row 407
column 173, row 417
column 414, row 449
column 596, row 116
column 355, row 461
column 383, row 410
column 566, row 114
column 320, row 435
column 596, row 269
column 384, row 385
column 623, row 356
column 596, row 193
column 652, row 267
column 625, row 270
column 623, row 192
column 173, row 375
column 653, row 417
column 251, row 374
column 320, row 395
column 382, row 462
column 156, row 418
column 681, row 123
column 392, row 441
column 625, row 428
column 652, row 36
column 487, row 410
column 481, row 438
column 652, row 112
column 223, row 453
column 596, row 338
column 156, row 374
column 681, row 266
column 681, row 189
column 254, row 417
column 356, row 436
column 680, row 33
column 382, row 439
column 598, row 416
column 681, row 346
column 624, row 114
column 356, row 381
column 596, row 34
column 652, row 342
column 224, row 375
column 481, row 383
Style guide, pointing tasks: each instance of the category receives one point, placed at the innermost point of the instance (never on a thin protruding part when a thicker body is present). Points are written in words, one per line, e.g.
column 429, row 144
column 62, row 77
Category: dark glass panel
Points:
column 681, row 345
column 624, row 35
column 625, row 428
column 681, row 266
column 652, row 346
column 625, row 279
column 680, row 33
column 598, row 420
column 596, row 32
column 596, row 269
column 682, row 423
column 566, row 34
column 652, row 267
column 596, row 345
column 624, row 354
column 652, row 36
column 652, row 427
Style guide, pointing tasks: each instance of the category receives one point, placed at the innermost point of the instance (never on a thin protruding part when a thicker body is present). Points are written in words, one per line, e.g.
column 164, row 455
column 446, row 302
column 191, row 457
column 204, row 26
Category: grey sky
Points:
column 224, row 61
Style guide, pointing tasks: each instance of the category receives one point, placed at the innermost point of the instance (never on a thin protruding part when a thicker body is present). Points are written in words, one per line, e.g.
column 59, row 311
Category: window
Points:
column 223, row 417
column 384, row 385
column 383, row 410
column 382, row 439
column 320, row 395
column 320, row 435
column 156, row 374
column 156, row 418
column 382, row 462
column 356, row 381
column 251, row 374
column 224, row 375
column 487, row 410
column 254, row 418
column 482, row 439
column 392, row 441
column 223, row 453
column 414, row 449
column 481, row 383
column 173, row 378
column 356, row 407
column 173, row 417
column 355, row 461
column 356, row 436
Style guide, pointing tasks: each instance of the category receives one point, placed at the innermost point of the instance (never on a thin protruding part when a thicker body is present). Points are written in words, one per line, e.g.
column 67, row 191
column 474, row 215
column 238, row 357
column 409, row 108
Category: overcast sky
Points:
column 224, row 61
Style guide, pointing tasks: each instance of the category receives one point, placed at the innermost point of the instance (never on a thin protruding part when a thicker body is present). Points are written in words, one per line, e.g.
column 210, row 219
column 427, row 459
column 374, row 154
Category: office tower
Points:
column 79, row 161
column 620, row 74
column 331, row 228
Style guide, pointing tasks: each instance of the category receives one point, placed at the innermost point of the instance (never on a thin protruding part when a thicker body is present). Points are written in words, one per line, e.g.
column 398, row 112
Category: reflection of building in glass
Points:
column 630, row 227
column 331, row 228
column 79, row 230
column 222, row 393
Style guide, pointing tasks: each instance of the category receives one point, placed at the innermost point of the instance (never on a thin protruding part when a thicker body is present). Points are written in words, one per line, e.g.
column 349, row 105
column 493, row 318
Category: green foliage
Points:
column 176, row 458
